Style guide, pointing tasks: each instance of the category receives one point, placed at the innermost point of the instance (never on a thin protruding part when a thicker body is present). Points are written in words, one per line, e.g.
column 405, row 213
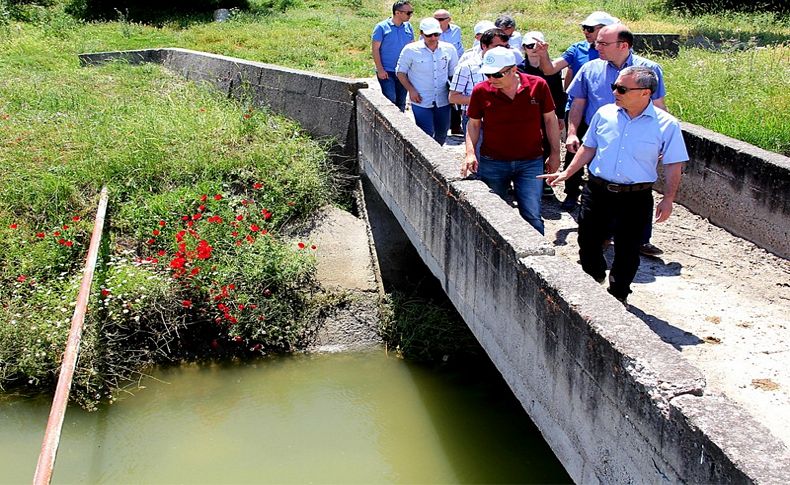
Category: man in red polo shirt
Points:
column 511, row 107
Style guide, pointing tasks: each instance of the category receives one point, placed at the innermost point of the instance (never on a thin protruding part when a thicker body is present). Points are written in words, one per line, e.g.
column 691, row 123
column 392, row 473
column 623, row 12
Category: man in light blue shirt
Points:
column 389, row 38
column 424, row 69
column 623, row 145
column 451, row 34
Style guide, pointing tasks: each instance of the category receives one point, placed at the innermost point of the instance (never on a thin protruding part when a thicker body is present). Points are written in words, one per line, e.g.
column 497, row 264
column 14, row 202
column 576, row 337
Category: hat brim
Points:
column 492, row 69
column 432, row 31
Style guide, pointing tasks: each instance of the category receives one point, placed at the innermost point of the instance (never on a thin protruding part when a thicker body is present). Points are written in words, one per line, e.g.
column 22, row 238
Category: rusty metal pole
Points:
column 49, row 447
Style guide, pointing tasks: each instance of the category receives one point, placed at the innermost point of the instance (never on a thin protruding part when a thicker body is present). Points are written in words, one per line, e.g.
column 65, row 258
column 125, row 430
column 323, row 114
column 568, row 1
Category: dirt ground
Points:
column 720, row 300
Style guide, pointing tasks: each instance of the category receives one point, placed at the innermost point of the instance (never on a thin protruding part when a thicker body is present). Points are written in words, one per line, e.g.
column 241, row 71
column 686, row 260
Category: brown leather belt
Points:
column 617, row 188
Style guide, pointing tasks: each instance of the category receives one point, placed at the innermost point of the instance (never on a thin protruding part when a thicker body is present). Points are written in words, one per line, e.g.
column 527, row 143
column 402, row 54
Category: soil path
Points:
column 720, row 300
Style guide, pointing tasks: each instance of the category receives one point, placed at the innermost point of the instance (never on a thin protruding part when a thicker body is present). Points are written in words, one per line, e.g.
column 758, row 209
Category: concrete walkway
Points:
column 721, row 301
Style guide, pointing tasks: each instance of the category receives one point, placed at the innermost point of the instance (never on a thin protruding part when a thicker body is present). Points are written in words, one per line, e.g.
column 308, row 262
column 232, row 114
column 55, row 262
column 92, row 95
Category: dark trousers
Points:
column 573, row 185
column 626, row 212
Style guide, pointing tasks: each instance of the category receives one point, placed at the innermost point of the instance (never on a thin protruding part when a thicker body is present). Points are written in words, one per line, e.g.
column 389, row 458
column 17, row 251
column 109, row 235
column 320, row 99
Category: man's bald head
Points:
column 621, row 32
column 441, row 13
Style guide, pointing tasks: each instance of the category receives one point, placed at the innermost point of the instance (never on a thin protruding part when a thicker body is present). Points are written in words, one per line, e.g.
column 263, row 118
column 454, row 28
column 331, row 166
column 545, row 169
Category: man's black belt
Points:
column 613, row 187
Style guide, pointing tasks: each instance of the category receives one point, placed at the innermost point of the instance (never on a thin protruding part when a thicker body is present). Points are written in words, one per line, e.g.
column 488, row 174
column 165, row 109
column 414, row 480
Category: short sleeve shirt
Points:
column 512, row 127
column 466, row 77
column 594, row 79
column 579, row 54
column 627, row 149
column 393, row 39
column 429, row 71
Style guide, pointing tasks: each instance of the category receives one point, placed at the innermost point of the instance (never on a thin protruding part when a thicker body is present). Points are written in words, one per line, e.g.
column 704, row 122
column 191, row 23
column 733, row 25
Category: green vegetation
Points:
column 166, row 148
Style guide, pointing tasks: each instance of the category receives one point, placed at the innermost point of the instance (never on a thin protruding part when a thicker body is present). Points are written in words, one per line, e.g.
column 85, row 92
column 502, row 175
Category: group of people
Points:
column 514, row 106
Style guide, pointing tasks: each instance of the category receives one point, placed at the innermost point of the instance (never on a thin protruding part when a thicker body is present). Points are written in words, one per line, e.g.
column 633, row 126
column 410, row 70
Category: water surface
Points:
column 329, row 418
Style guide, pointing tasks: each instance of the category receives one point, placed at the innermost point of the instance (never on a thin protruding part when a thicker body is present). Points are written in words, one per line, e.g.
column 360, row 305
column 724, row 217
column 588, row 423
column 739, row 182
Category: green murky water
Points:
column 336, row 418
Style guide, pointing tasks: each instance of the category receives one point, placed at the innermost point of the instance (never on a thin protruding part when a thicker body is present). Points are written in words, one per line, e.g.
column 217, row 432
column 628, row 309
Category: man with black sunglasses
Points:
column 623, row 146
column 511, row 108
column 389, row 38
column 574, row 57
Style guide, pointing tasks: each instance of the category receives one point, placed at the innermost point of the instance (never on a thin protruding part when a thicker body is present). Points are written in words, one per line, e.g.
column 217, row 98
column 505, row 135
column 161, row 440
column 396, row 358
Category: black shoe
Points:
column 648, row 249
column 569, row 204
column 621, row 299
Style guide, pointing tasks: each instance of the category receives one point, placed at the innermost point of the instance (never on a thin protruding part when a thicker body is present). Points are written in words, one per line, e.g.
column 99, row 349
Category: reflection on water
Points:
column 329, row 418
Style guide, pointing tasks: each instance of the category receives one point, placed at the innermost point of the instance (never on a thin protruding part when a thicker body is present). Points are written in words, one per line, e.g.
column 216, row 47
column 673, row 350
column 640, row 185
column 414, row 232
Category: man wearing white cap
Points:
column 511, row 107
column 574, row 58
column 474, row 51
column 424, row 67
column 451, row 34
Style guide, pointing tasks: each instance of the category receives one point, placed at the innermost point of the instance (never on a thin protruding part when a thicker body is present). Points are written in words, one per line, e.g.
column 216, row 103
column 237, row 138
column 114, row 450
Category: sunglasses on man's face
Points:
column 430, row 35
column 407, row 12
column 498, row 75
column 623, row 89
column 588, row 29
column 442, row 19
column 529, row 46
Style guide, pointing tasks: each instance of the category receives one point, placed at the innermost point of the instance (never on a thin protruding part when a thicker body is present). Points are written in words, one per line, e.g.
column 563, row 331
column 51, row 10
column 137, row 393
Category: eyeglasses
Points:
column 589, row 29
column 606, row 44
column 430, row 35
column 529, row 46
column 442, row 19
column 500, row 74
column 407, row 12
column 622, row 89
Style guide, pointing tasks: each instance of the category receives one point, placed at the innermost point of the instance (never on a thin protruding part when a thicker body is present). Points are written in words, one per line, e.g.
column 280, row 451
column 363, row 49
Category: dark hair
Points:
column 397, row 5
column 488, row 36
column 644, row 77
column 505, row 22
column 626, row 36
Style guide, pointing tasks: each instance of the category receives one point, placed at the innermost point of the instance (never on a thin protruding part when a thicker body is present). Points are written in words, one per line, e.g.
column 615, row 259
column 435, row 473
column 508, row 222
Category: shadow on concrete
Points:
column 651, row 268
column 670, row 334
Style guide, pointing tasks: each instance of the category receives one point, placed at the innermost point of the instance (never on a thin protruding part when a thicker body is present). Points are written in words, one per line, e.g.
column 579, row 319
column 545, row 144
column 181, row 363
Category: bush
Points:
column 709, row 6
column 147, row 10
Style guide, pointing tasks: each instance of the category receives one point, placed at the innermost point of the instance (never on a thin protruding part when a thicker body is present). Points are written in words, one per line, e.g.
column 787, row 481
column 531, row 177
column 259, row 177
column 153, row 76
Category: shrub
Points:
column 707, row 6
column 147, row 10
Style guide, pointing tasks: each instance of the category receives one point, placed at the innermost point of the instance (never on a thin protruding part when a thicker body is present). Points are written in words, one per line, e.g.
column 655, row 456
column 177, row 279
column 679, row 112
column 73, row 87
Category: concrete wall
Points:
column 739, row 187
column 648, row 45
column 323, row 105
column 614, row 402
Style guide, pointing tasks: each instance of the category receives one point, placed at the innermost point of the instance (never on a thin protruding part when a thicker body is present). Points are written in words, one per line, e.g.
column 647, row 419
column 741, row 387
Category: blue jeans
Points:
column 393, row 90
column 498, row 174
column 433, row 121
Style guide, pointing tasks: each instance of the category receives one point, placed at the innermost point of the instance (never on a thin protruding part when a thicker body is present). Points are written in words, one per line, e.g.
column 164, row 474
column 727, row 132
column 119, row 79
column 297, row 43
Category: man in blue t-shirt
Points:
column 389, row 38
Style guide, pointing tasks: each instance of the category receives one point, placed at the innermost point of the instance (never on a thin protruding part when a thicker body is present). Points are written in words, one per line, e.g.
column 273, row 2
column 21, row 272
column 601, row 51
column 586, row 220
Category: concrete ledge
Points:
column 323, row 105
column 739, row 187
column 647, row 45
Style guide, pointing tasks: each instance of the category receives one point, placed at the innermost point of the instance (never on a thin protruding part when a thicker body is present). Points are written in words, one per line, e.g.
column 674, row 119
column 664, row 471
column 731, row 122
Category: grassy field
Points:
column 201, row 187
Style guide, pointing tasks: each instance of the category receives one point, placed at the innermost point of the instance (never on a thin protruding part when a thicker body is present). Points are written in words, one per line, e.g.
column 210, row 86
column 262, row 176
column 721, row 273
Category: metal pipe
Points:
column 49, row 447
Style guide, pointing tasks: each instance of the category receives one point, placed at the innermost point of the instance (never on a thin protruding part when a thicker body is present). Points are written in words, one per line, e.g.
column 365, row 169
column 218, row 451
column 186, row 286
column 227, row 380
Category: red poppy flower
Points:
column 252, row 306
column 238, row 242
column 246, row 116
column 195, row 271
column 197, row 216
column 257, row 186
column 256, row 347
column 105, row 292
column 178, row 262
column 156, row 232
column 250, row 239
column 190, row 223
column 13, row 226
column 184, row 218
column 162, row 223
column 231, row 286
column 201, row 208
column 186, row 303
column 56, row 233
column 218, row 197
column 238, row 339
column 264, row 232
column 203, row 198
column 241, row 306
column 245, row 202
column 21, row 278
column 180, row 236
column 151, row 241
column 204, row 249
column 69, row 243
column 301, row 245
column 267, row 292
column 61, row 241
column 234, row 233
column 266, row 214
column 40, row 235
column 254, row 228
column 75, row 218
column 313, row 247
column 239, row 217
column 161, row 252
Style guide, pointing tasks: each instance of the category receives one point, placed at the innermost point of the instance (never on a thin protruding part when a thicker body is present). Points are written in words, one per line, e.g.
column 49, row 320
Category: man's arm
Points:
column 404, row 80
column 672, row 174
column 575, row 118
column 553, row 134
column 472, row 135
column 582, row 158
column 566, row 82
column 548, row 66
column 375, row 49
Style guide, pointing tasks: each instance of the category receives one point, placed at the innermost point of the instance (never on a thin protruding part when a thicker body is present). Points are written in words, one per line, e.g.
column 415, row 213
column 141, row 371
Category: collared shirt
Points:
column 453, row 36
column 627, row 150
column 513, row 127
column 429, row 71
column 515, row 42
column 579, row 54
column 393, row 39
column 593, row 82
column 466, row 77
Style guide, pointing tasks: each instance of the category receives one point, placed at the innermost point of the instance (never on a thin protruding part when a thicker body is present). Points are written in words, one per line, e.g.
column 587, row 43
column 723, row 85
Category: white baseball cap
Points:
column 599, row 18
column 531, row 37
column 497, row 58
column 430, row 25
column 484, row 25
